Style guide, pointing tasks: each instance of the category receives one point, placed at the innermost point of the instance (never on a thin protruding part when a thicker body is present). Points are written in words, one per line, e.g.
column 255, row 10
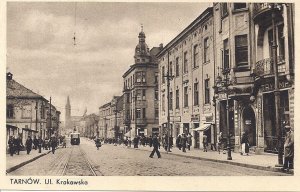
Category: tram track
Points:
column 79, row 164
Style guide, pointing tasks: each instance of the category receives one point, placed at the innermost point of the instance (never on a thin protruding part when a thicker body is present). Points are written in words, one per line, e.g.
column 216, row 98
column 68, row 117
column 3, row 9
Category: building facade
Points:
column 111, row 119
column 189, row 61
column 267, row 51
column 27, row 113
column 141, row 92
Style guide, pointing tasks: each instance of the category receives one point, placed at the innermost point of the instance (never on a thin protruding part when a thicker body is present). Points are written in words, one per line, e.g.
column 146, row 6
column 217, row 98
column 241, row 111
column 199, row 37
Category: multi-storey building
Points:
column 268, row 51
column 189, row 60
column 244, row 54
column 27, row 113
column 232, row 42
column 111, row 119
column 141, row 91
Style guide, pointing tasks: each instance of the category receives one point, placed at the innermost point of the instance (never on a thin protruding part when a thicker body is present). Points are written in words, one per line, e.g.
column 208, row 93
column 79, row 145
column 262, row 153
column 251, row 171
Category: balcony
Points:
column 262, row 11
column 265, row 66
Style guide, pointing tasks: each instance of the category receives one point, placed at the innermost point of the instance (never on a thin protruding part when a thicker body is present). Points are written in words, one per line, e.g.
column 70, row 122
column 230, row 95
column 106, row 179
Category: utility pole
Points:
column 50, row 133
column 274, row 9
column 169, row 77
column 36, row 115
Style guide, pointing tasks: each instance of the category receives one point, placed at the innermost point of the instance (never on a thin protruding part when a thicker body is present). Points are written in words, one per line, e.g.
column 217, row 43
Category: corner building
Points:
column 141, row 92
column 189, row 59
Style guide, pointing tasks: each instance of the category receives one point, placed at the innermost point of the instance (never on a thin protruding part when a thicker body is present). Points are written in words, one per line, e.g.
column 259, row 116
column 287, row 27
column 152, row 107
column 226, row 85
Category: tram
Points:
column 75, row 138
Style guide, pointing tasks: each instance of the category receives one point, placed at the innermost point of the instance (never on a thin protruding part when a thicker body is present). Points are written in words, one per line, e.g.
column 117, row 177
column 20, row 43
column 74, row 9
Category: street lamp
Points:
column 275, row 7
column 169, row 77
column 224, row 83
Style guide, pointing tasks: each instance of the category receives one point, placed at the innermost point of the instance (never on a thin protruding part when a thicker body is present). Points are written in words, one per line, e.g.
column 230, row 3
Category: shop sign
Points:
column 270, row 86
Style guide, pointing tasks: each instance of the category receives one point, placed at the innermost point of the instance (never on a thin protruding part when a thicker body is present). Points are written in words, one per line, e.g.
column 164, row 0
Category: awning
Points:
column 203, row 127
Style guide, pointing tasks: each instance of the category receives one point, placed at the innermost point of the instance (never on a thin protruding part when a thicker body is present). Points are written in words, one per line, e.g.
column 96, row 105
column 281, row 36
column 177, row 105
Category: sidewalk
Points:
column 16, row 161
column 262, row 162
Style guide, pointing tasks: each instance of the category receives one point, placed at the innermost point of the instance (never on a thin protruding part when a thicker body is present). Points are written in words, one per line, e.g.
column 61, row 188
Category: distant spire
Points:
column 142, row 27
column 68, row 101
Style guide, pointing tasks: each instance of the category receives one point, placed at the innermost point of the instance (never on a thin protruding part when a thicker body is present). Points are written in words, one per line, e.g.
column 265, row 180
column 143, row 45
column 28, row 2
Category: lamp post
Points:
column 275, row 7
column 223, row 83
column 169, row 77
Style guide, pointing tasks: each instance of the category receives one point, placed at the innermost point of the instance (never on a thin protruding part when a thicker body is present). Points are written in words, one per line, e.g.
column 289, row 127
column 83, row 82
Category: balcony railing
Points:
column 260, row 8
column 265, row 66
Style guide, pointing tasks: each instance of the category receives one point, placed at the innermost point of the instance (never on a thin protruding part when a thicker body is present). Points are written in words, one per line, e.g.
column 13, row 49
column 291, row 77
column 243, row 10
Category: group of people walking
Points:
column 15, row 144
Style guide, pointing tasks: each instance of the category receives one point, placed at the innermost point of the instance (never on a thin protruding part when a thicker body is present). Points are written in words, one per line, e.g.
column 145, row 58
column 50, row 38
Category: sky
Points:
column 42, row 56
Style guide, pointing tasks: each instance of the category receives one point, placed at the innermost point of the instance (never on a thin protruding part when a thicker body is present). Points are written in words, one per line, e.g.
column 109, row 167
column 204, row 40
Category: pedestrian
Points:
column 156, row 145
column 178, row 142
column 98, row 143
column 53, row 143
column 40, row 143
column 205, row 143
column 17, row 145
column 28, row 144
column 189, row 141
column 221, row 143
column 183, row 142
column 245, row 144
column 35, row 143
column 150, row 141
column 11, row 145
column 288, row 149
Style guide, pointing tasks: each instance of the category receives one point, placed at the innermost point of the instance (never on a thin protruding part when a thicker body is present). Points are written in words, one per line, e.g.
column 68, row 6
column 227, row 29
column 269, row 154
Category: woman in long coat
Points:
column 245, row 144
column 28, row 144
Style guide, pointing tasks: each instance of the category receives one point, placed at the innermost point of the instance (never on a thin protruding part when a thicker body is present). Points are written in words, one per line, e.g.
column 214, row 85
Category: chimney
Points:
column 161, row 46
column 9, row 76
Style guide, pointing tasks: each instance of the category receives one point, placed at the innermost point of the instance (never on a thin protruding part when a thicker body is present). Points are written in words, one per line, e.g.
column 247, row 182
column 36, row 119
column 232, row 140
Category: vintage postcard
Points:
column 176, row 96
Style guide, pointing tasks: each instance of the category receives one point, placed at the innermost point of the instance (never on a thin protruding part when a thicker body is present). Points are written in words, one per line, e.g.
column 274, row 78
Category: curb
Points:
column 259, row 167
column 25, row 162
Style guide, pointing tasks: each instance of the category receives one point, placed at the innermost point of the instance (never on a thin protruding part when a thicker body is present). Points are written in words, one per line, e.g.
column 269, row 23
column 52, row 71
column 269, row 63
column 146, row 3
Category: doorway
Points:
column 249, row 124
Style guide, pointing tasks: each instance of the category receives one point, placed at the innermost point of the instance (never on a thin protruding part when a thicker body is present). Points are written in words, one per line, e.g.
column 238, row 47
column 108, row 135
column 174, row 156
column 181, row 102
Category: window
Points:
column 163, row 102
column 207, row 95
column 186, row 101
column 156, row 113
column 196, row 56
column 141, row 77
column 196, row 94
column 138, row 95
column 177, row 99
column 163, row 74
column 144, row 113
column 241, row 50
column 224, row 10
column 281, row 47
column 143, row 94
column 177, row 66
column 171, row 101
column 155, row 94
column 138, row 113
column 9, row 111
column 128, row 97
column 156, row 77
column 206, row 50
column 225, row 54
column 128, row 114
column 43, row 114
column 185, row 63
column 239, row 6
column 171, row 69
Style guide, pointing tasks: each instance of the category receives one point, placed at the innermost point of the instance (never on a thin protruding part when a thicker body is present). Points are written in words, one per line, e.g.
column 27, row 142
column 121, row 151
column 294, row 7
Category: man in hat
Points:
column 288, row 149
column 156, row 145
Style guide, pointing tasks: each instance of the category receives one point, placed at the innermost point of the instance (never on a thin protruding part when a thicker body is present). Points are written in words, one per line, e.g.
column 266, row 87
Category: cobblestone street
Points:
column 112, row 160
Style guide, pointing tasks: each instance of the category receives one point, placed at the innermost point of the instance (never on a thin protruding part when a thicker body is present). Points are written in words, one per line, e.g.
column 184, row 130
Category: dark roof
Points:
column 16, row 90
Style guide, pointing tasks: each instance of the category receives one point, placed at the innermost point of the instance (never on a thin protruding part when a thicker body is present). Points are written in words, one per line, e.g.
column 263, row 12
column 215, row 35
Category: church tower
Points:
column 68, row 114
column 142, row 53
